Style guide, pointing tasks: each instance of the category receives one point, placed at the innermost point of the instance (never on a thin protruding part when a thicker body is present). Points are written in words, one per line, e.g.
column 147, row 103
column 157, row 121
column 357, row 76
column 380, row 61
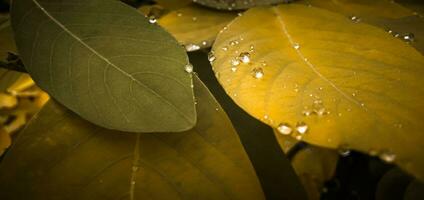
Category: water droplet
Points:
column 302, row 127
column 240, row 14
column 192, row 47
column 284, row 129
column 235, row 62
column 344, row 150
column 258, row 73
column 252, row 48
column 179, row 14
column 233, row 68
column 266, row 117
column 211, row 56
column 204, row 43
column 233, row 43
column 152, row 19
column 388, row 156
column 132, row 182
column 355, row 19
column 296, row 46
column 194, row 18
column 216, row 109
column 225, row 48
column 307, row 112
column 188, row 68
column 244, row 57
column 408, row 37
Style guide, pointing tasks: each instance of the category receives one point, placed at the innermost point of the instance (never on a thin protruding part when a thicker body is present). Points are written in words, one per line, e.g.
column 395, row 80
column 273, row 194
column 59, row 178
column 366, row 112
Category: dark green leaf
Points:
column 106, row 62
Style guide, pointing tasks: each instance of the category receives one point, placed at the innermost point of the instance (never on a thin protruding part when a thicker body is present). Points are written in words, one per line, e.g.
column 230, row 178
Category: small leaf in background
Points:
column 414, row 191
column 173, row 4
column 207, row 162
column 314, row 165
column 326, row 79
column 237, row 4
column 194, row 26
column 127, row 74
column 392, row 185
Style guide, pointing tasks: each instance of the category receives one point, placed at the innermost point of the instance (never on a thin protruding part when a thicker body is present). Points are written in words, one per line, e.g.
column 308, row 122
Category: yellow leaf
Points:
column 398, row 21
column 377, row 8
column 194, row 26
column 75, row 159
column 5, row 141
column 328, row 80
column 22, row 83
column 7, row 101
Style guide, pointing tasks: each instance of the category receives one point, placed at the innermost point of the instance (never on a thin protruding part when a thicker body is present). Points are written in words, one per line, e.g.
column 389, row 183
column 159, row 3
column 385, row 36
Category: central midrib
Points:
column 107, row 61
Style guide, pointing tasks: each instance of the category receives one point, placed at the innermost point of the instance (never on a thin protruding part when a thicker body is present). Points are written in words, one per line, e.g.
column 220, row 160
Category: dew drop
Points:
column 244, row 57
column 152, row 19
column 188, row 68
column 194, row 18
column 204, row 43
column 211, row 56
column 344, row 150
column 408, row 37
column 179, row 14
column 225, row 48
column 284, row 129
column 192, row 47
column 355, row 19
column 132, row 182
column 258, row 73
column 234, row 43
column 233, row 68
column 235, row 62
column 296, row 46
column 388, row 156
column 302, row 127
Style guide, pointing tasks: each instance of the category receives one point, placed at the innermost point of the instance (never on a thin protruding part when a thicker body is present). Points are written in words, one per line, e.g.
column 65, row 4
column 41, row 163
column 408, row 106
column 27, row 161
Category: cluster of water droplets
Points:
column 300, row 129
column 406, row 37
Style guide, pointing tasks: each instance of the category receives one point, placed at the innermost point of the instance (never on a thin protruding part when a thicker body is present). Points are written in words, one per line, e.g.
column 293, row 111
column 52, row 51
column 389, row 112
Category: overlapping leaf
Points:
column 106, row 62
column 194, row 26
column 69, row 158
column 237, row 4
column 324, row 78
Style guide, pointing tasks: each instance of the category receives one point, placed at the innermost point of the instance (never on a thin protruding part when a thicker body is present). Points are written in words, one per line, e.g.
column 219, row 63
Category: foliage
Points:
column 302, row 86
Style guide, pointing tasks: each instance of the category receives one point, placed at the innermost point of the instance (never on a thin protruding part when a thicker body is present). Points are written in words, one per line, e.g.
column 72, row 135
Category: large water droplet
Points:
column 296, row 46
column 302, row 127
column 244, row 57
column 408, row 37
column 285, row 129
column 188, row 68
column 152, row 19
column 258, row 73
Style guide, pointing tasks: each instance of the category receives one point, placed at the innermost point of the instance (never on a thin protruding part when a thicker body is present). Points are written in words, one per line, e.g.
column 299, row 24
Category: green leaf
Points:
column 237, row 4
column 7, row 43
column 106, row 62
column 61, row 156
column 194, row 26
column 327, row 80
